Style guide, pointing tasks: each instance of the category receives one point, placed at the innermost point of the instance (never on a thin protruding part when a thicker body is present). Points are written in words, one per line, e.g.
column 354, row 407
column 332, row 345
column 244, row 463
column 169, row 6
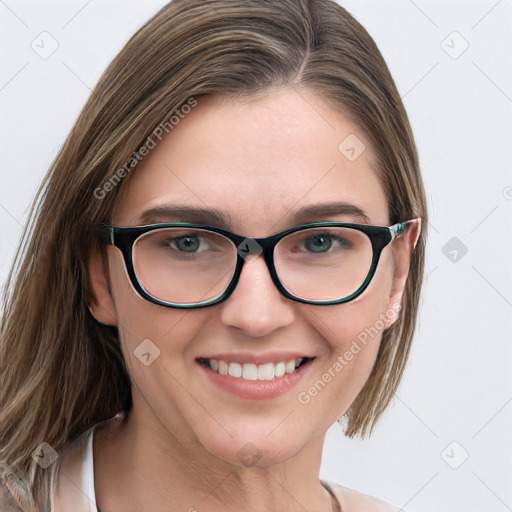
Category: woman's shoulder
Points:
column 355, row 501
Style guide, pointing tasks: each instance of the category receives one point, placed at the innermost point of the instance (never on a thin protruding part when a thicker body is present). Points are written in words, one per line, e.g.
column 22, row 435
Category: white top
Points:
column 88, row 473
column 73, row 482
column 74, row 489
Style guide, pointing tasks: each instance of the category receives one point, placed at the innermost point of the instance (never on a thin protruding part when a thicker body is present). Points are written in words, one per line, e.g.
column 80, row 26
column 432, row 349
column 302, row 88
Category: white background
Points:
column 457, row 387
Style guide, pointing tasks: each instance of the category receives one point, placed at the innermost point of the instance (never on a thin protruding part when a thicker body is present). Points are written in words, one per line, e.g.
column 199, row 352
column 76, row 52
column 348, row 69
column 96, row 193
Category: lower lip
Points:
column 256, row 389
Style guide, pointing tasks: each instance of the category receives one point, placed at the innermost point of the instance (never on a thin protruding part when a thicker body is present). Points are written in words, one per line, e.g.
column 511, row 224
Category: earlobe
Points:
column 100, row 303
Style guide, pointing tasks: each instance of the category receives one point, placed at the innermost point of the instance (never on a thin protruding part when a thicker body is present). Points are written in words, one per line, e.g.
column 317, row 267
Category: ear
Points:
column 402, row 249
column 100, row 304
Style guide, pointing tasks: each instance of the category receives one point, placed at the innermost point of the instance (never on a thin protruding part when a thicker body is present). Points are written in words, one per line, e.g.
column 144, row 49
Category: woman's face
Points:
column 259, row 162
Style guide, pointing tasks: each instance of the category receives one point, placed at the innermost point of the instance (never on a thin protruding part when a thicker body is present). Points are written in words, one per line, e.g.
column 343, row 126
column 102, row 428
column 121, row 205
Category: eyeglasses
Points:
column 183, row 265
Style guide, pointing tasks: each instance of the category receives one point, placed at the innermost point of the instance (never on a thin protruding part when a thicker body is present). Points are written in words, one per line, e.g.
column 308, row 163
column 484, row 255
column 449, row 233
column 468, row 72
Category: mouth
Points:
column 255, row 372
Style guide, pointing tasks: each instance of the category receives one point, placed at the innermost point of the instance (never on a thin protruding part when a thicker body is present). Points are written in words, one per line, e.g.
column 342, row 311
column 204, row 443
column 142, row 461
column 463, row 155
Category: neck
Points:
column 138, row 466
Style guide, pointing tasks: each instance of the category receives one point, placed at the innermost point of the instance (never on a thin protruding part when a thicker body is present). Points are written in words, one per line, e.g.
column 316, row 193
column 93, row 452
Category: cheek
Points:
column 344, row 323
column 138, row 320
column 352, row 333
column 156, row 343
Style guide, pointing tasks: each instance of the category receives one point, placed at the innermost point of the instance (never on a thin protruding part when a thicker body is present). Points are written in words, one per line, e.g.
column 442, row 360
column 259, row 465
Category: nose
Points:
column 256, row 306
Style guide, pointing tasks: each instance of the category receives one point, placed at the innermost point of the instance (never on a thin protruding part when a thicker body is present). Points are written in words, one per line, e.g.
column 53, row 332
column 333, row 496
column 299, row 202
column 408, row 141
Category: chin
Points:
column 256, row 450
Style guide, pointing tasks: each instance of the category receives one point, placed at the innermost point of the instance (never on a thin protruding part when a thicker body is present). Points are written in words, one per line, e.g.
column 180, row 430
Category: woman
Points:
column 226, row 258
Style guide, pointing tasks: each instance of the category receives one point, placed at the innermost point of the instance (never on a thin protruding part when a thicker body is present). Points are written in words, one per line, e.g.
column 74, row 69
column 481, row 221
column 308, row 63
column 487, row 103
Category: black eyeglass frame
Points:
column 124, row 238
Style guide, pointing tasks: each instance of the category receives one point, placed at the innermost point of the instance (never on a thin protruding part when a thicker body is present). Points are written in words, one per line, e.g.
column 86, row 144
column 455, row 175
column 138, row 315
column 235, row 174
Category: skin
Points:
column 181, row 441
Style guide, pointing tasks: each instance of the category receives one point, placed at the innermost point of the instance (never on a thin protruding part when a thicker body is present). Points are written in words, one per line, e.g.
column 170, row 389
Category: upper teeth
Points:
column 250, row 371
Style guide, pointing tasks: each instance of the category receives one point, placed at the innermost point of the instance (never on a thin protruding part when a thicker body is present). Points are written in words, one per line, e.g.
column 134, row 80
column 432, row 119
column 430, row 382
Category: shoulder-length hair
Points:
column 62, row 372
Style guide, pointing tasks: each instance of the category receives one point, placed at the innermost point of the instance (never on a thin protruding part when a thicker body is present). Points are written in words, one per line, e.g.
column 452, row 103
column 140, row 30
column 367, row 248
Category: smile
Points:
column 251, row 371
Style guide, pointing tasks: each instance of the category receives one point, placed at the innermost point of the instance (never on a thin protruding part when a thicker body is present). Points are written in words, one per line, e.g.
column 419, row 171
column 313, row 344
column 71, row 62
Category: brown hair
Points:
column 61, row 371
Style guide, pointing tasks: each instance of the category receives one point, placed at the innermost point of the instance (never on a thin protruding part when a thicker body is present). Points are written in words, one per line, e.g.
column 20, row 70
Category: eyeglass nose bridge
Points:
column 250, row 247
column 248, row 250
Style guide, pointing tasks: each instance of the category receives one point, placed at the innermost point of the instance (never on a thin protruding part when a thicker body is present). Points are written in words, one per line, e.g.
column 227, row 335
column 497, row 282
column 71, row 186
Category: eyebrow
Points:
column 208, row 216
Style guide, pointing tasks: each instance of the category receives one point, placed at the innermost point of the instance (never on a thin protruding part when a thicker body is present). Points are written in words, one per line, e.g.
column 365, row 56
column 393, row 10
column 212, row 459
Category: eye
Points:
column 187, row 243
column 323, row 242
column 318, row 243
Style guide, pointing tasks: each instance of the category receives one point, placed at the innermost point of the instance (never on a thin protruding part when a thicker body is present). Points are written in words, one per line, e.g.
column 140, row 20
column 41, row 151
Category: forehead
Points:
column 257, row 161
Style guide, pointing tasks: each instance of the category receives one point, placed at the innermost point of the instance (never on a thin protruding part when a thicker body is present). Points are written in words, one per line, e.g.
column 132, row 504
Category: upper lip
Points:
column 269, row 357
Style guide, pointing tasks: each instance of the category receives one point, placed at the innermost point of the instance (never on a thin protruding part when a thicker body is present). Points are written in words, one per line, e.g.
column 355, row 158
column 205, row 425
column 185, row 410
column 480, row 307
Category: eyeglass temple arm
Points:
column 398, row 229
column 106, row 233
